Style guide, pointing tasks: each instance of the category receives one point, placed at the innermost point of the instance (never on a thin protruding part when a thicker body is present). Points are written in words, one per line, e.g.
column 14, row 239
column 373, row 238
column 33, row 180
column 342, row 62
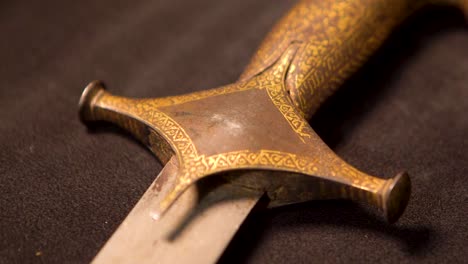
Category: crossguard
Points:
column 249, row 132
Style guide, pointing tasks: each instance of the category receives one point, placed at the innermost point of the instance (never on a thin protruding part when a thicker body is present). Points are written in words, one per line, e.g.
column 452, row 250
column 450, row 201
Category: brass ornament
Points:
column 337, row 38
column 303, row 60
column 253, row 134
column 249, row 132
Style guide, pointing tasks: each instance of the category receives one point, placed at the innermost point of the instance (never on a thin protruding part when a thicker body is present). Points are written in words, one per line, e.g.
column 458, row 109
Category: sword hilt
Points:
column 298, row 169
column 337, row 37
column 331, row 40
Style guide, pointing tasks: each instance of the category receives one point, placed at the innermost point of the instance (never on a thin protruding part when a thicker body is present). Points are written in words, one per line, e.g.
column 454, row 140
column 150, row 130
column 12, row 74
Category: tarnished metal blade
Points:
column 196, row 229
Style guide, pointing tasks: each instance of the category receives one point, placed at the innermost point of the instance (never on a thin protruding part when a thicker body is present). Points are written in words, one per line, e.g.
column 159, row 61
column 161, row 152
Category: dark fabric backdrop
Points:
column 64, row 190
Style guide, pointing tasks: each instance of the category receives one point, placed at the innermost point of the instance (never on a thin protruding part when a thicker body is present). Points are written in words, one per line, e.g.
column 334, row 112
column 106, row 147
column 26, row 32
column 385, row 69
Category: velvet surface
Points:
column 64, row 190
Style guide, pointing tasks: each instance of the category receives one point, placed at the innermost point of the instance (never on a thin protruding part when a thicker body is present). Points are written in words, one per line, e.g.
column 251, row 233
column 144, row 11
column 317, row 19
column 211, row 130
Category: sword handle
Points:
column 336, row 38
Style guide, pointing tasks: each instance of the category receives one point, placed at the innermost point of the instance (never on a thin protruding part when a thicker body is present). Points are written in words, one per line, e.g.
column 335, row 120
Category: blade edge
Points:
column 196, row 229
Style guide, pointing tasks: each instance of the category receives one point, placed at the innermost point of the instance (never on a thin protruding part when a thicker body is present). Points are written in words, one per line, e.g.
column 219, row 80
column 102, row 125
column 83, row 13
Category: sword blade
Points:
column 196, row 229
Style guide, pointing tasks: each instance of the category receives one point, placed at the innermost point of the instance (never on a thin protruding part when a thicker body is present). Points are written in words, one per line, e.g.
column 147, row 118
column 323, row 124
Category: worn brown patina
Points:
column 253, row 134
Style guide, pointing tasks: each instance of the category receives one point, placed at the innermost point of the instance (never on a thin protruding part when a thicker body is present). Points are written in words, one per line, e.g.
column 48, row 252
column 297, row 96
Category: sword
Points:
column 224, row 149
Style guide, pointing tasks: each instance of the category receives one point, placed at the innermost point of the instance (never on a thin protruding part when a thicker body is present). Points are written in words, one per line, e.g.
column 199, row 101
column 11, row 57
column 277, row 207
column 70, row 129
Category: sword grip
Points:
column 336, row 38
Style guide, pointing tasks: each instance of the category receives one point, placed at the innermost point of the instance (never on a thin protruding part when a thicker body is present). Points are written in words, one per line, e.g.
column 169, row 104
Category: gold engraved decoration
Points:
column 244, row 159
column 174, row 100
column 336, row 38
column 280, row 98
column 194, row 166
column 303, row 60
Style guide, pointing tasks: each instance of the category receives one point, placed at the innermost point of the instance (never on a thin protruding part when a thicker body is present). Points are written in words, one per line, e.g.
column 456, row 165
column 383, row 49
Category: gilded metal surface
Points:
column 254, row 132
column 249, row 125
column 335, row 38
